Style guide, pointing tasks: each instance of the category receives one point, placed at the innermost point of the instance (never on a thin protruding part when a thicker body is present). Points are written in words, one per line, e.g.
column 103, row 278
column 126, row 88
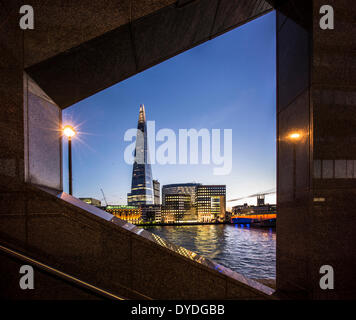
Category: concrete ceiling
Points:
column 81, row 47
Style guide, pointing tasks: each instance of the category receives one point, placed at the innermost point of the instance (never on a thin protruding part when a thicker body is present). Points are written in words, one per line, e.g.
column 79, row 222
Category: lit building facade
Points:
column 156, row 192
column 141, row 184
column 151, row 213
column 176, row 207
column 211, row 203
column 184, row 188
column 130, row 214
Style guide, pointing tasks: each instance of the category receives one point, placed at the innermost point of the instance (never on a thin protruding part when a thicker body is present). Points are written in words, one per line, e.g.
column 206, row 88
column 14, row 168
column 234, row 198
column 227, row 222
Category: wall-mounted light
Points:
column 295, row 136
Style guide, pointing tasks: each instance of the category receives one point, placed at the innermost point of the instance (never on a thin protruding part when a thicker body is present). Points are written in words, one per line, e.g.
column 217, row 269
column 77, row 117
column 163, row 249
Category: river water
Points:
column 249, row 251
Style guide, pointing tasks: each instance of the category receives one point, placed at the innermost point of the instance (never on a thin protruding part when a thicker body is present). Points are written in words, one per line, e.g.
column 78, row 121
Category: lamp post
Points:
column 294, row 137
column 69, row 132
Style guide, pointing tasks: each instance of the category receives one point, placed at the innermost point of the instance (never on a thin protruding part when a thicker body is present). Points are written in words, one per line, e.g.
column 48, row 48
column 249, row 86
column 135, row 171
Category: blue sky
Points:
column 225, row 83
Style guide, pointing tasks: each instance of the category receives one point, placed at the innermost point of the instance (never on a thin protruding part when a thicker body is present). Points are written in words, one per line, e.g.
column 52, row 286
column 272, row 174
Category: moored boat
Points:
column 263, row 215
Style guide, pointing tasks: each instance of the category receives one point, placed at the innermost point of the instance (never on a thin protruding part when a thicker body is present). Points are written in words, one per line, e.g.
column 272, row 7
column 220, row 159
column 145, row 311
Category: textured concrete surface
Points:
column 11, row 102
column 334, row 136
column 96, row 55
column 80, row 48
column 46, row 286
column 75, row 50
column 43, row 142
column 108, row 255
column 316, row 97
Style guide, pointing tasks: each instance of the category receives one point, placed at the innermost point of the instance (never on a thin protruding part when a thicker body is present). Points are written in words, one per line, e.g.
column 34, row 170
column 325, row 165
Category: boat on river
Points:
column 263, row 215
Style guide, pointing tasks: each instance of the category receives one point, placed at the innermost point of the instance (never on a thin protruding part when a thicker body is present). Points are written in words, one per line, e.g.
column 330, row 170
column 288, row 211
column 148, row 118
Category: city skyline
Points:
column 187, row 100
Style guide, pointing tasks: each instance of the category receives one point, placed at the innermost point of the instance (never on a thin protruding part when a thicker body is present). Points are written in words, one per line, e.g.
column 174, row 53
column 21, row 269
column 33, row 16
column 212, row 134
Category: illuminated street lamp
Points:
column 294, row 137
column 69, row 132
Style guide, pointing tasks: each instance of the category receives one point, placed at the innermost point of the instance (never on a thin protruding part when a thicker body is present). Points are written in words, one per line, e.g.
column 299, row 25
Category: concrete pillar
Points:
column 316, row 98
column 11, row 101
column 12, row 152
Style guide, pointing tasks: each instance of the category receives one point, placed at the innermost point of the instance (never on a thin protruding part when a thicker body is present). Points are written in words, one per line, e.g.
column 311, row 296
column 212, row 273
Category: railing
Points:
column 61, row 274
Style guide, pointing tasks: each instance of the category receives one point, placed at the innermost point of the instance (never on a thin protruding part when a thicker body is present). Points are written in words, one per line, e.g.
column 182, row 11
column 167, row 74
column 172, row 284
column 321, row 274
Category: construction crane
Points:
column 260, row 196
column 104, row 197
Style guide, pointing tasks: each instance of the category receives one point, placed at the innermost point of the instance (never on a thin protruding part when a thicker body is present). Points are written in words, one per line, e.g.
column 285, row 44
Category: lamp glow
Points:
column 295, row 136
column 69, row 131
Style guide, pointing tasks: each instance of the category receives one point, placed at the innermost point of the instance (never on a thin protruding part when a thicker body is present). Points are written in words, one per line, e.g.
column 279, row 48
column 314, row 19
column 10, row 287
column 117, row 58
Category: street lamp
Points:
column 294, row 137
column 69, row 132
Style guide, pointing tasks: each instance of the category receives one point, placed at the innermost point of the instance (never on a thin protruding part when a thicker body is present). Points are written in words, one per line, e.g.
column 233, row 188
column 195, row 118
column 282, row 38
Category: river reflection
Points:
column 251, row 252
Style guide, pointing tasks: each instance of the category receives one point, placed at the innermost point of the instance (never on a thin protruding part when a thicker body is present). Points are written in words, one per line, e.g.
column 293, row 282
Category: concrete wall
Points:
column 80, row 49
column 96, row 47
column 46, row 286
column 293, row 115
column 11, row 103
column 116, row 256
column 334, row 137
column 74, row 51
column 317, row 97
column 43, row 138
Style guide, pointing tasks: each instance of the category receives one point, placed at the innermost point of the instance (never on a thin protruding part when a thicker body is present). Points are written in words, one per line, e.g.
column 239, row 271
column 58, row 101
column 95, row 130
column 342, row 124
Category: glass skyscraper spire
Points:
column 141, row 184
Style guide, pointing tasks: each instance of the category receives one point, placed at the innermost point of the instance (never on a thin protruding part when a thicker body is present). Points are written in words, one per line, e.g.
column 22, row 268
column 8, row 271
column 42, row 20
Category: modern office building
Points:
column 184, row 188
column 92, row 201
column 176, row 207
column 156, row 192
column 130, row 214
column 207, row 203
column 151, row 213
column 211, row 203
column 141, row 184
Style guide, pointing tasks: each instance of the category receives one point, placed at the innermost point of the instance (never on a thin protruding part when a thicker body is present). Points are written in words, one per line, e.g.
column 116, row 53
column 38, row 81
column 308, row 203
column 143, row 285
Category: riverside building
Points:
column 130, row 214
column 211, row 203
column 176, row 207
column 151, row 213
column 156, row 192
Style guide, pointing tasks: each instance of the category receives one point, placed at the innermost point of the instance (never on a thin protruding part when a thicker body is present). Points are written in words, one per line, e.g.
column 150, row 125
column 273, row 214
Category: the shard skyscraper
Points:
column 142, row 184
